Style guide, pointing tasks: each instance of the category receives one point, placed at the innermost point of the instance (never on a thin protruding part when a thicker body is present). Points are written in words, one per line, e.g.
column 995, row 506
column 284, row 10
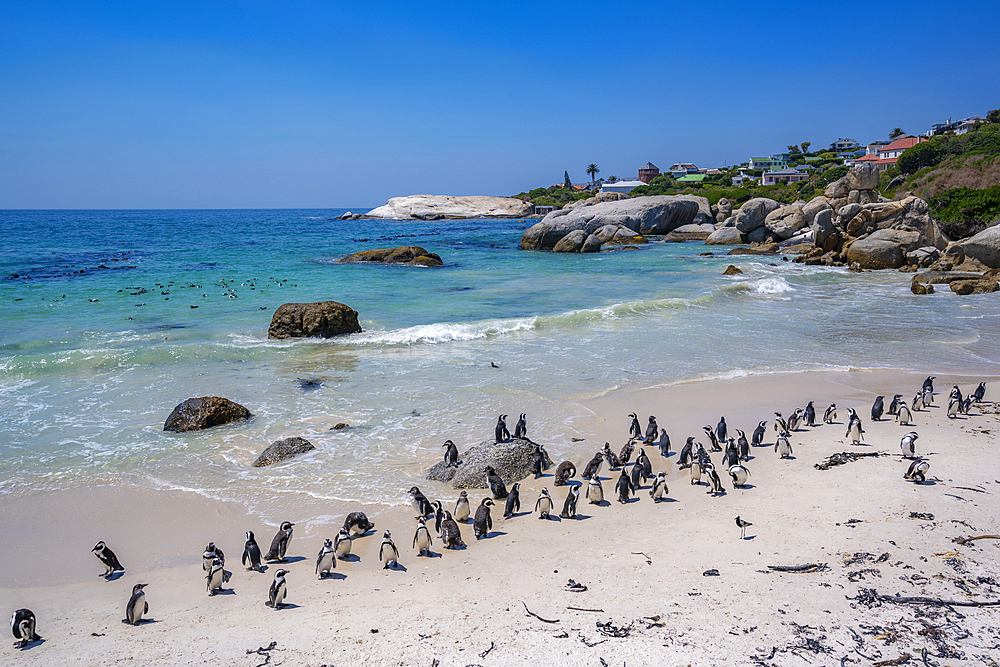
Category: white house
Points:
column 624, row 187
column 787, row 175
column 770, row 162
column 845, row 144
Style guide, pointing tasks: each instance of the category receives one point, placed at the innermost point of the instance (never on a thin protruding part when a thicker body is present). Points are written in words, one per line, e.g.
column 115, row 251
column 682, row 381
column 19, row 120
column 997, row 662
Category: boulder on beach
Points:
column 512, row 460
column 984, row 247
column 446, row 207
column 752, row 214
column 726, row 236
column 321, row 318
column 411, row 254
column 282, row 450
column 785, row 221
column 643, row 215
column 196, row 414
column 884, row 249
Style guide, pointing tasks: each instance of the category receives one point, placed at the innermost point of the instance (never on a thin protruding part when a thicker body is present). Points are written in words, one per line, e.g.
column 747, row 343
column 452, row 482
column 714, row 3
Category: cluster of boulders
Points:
column 412, row 255
column 512, row 460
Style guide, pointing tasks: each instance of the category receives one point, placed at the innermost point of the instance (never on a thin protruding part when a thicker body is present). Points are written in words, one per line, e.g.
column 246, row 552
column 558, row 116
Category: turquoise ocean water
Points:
column 111, row 318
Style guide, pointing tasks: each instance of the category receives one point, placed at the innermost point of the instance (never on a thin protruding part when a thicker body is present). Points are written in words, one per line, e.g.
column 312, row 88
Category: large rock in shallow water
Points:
column 884, row 249
column 512, row 460
column 644, row 215
column 411, row 254
column 984, row 247
column 726, row 236
column 281, row 450
column 195, row 414
column 440, row 207
column 304, row 320
column 753, row 213
column 785, row 221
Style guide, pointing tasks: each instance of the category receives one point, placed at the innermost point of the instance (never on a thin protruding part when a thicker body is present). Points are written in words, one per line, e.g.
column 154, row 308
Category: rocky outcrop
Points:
column 752, row 214
column 512, row 460
column 984, row 247
column 825, row 234
column 695, row 229
column 411, row 254
column 643, row 215
column 322, row 318
column 615, row 235
column 442, row 207
column 982, row 285
column 726, row 236
column 723, row 210
column 785, row 221
column 883, row 249
column 196, row 414
column 732, row 271
column 814, row 206
column 282, row 450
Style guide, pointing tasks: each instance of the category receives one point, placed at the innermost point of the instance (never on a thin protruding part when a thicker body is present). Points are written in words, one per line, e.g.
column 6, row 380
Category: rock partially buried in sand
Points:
column 322, row 318
column 282, row 450
column 412, row 255
column 512, row 460
column 196, row 414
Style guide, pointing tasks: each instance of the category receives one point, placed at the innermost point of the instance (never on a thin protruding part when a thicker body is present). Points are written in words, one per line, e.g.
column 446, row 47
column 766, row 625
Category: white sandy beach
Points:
column 643, row 563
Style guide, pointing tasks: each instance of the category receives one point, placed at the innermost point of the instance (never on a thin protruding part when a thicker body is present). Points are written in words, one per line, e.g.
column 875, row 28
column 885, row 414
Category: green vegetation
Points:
column 568, row 184
column 592, row 171
column 832, row 174
column 896, row 133
column 965, row 211
column 983, row 141
column 557, row 195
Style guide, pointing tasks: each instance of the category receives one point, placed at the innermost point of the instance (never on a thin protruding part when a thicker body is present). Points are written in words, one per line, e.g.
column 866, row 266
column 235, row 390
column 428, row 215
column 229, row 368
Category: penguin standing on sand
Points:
column 918, row 401
column 216, row 577
column 928, row 384
column 565, row 472
column 954, row 408
column 732, row 455
column 137, row 605
column 917, row 472
column 521, row 428
column 980, row 393
column 462, row 508
column 342, row 544
column 107, row 558
column 714, row 483
column 569, row 506
column 22, row 626
column 664, row 443
column 438, row 515
column 712, row 438
column 612, row 459
column 451, row 535
column 795, row 419
column 928, row 395
column 696, row 471
column 483, row 523
column 422, row 541
column 877, row 409
column 854, row 429
column 625, row 455
column 624, row 487
column 279, row 545
column 594, row 466
column 659, row 489
column 595, row 492
column 687, row 453
column 388, row 553
column 757, row 439
column 908, row 444
column 500, row 432
column 634, row 429
column 810, row 414
column 450, row 454
column 544, row 504
column 647, row 465
column 358, row 524
column 780, row 425
column 721, row 430
column 420, row 502
column 278, row 591
column 830, row 414
column 903, row 414
column 513, row 505
column 740, row 473
column 251, row 553
column 635, row 476
column 742, row 446
column 651, row 431
column 894, row 404
column 497, row 487
column 326, row 559
column 211, row 553
column 783, row 447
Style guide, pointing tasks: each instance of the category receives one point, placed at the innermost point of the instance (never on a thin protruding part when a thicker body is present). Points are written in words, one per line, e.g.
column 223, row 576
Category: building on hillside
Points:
column 679, row 169
column 889, row 154
column 968, row 124
column 624, row 187
column 872, row 148
column 692, row 178
column 544, row 210
column 783, row 175
column 956, row 126
column 648, row 172
column 767, row 163
column 845, row 144
column 741, row 178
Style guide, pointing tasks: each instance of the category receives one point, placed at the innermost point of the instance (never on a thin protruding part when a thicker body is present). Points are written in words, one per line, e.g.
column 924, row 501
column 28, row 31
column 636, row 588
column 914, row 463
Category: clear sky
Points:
column 330, row 104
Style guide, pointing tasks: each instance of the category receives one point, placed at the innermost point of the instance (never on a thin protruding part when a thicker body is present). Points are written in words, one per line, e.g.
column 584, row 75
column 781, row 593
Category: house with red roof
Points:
column 888, row 155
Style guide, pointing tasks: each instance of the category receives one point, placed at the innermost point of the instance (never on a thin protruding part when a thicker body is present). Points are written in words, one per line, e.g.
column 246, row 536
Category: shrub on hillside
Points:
column 965, row 211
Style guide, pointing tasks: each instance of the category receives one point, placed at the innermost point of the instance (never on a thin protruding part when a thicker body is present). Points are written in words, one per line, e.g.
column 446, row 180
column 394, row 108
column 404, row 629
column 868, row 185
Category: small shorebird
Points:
column 743, row 527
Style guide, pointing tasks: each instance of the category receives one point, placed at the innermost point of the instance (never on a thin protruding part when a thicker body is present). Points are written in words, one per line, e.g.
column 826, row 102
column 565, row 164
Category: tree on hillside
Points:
column 993, row 116
column 567, row 183
column 896, row 133
column 793, row 149
column 592, row 170
column 805, row 146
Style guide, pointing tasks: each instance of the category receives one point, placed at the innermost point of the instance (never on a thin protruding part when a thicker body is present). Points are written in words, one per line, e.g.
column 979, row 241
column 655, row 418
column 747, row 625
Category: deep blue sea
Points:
column 111, row 318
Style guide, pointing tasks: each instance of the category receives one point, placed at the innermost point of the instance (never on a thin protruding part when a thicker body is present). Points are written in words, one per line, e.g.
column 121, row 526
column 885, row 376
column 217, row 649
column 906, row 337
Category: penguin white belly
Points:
column 739, row 474
column 545, row 506
column 423, row 541
column 344, row 548
column 279, row 595
column 136, row 608
column 389, row 554
column 462, row 512
column 595, row 493
column 326, row 563
column 695, row 473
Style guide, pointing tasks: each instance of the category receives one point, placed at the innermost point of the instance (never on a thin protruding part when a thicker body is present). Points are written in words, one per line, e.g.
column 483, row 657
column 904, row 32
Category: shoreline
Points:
column 464, row 600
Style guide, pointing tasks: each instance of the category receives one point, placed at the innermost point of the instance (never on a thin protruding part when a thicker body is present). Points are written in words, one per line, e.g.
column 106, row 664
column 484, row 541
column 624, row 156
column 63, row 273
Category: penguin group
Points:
column 633, row 476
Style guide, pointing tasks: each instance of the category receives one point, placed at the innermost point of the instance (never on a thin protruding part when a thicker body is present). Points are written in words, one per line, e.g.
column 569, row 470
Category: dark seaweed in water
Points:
column 309, row 383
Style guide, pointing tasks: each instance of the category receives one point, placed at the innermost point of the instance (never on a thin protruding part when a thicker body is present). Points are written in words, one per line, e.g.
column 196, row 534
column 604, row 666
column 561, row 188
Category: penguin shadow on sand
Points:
column 30, row 645
column 283, row 605
column 141, row 621
column 288, row 559
column 333, row 575
column 114, row 576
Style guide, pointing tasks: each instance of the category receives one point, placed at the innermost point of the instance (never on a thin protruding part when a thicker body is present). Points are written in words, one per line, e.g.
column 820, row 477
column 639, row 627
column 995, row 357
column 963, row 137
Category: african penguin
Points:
column 594, row 466
column 714, row 483
column 420, row 503
column 595, row 492
column 903, row 414
column 342, row 543
column 358, row 524
column 211, row 553
column 626, row 453
column 712, row 438
column 783, row 447
column 107, row 558
column 450, row 454
column 877, row 409
column 634, row 429
column 388, row 553
column 894, row 404
column 647, row 465
column 500, row 432
column 216, row 577
column 251, row 553
column 659, row 489
column 438, row 516
column 483, row 523
column 795, row 419
column 624, row 487
column 569, row 506
column 854, row 428
column 497, row 487
column 928, row 396
column 537, row 462
column 918, row 401
column 422, row 541
column 980, row 393
column 564, row 473
column 830, row 414
column 611, row 458
column 740, row 473
column 742, row 446
column 810, row 414
column 544, row 504
column 780, row 425
column 696, row 472
column 22, row 626
column 279, row 545
column 513, row 505
column 917, row 472
column 521, row 428
column 732, row 455
column 721, row 430
column 954, row 407
column 664, row 443
column 651, row 430
column 278, row 591
column 757, row 439
column 928, row 383
column 687, row 453
column 462, row 508
column 326, row 559
column 635, row 476
column 137, row 605
column 908, row 444
column 451, row 535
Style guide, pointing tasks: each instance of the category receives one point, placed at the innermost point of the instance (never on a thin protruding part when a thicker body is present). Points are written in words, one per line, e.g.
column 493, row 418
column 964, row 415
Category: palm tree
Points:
column 896, row 132
column 592, row 170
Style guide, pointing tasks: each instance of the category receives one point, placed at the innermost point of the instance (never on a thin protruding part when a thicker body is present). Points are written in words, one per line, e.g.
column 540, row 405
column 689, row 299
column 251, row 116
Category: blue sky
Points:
column 329, row 104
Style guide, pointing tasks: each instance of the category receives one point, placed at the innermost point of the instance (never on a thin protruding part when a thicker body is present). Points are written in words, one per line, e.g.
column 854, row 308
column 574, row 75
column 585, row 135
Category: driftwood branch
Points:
column 531, row 613
column 649, row 561
column 963, row 540
column 264, row 651
column 487, row 651
column 808, row 567
column 898, row 661
column 938, row 601
column 582, row 609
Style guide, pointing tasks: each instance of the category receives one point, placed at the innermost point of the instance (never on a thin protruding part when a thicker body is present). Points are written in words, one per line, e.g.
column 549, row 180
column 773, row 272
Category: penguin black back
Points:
column 483, row 523
column 565, row 472
column 251, row 553
column 497, row 487
column 513, row 501
column 521, row 428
